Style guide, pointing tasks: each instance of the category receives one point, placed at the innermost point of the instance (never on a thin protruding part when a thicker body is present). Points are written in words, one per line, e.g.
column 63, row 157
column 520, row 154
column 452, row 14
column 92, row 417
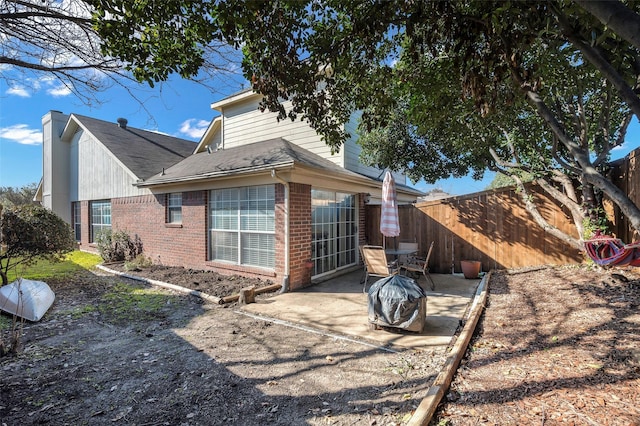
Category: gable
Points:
column 243, row 123
column 142, row 152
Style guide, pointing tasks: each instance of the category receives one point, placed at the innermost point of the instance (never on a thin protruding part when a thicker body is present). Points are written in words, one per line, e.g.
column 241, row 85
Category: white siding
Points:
column 244, row 123
column 98, row 175
column 352, row 154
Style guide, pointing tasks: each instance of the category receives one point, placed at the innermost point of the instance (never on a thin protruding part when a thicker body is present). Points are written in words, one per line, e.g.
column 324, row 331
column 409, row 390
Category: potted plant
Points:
column 470, row 268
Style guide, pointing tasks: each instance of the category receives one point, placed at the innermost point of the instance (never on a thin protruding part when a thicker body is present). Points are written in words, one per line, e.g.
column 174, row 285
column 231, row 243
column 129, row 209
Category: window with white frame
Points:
column 334, row 230
column 100, row 217
column 77, row 220
column 174, row 208
column 242, row 225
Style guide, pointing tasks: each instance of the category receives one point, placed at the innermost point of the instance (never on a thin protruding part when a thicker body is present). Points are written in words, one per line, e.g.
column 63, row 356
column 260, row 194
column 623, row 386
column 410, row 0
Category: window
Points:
column 77, row 222
column 100, row 217
column 174, row 208
column 242, row 225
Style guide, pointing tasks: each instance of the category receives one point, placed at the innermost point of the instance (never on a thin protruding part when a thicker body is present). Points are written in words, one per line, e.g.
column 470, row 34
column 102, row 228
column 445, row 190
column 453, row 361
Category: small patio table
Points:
column 400, row 252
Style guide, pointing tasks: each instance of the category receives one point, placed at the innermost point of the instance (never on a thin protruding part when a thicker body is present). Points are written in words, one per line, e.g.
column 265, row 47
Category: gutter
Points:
column 287, row 268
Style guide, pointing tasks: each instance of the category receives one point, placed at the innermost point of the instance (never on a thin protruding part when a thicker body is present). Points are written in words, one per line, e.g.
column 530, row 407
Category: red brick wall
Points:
column 300, row 235
column 186, row 244
column 362, row 220
column 168, row 244
column 85, row 223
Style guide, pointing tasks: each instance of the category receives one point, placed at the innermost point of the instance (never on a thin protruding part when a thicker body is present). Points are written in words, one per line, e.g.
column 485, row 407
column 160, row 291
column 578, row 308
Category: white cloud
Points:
column 21, row 134
column 59, row 91
column 18, row 91
column 194, row 128
column 32, row 86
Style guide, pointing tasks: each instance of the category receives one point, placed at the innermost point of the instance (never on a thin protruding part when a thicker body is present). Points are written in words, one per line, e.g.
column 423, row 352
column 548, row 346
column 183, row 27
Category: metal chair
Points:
column 375, row 263
column 417, row 265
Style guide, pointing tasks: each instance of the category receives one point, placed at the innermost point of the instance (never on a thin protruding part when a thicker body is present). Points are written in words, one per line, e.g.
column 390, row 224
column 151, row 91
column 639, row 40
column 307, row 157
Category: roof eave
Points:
column 211, row 175
column 239, row 97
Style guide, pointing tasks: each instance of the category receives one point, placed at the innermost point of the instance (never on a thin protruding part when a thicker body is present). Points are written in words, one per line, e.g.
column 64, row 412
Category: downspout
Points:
column 287, row 269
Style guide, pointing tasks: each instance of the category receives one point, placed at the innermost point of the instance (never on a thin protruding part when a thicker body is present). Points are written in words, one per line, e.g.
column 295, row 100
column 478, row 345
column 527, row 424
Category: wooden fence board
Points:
column 492, row 227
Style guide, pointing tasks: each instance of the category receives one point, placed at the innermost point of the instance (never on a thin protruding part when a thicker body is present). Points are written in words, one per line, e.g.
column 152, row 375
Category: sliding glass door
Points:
column 335, row 230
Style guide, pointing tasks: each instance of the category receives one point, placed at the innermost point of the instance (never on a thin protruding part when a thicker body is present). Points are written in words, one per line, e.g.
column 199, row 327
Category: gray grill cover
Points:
column 395, row 301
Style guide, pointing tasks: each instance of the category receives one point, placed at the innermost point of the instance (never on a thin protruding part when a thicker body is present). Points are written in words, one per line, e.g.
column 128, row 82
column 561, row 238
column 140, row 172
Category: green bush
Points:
column 30, row 232
column 117, row 246
column 140, row 262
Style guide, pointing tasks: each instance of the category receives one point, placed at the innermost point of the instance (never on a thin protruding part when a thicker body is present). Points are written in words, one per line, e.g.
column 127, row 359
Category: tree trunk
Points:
column 590, row 173
column 552, row 230
column 628, row 208
column 577, row 213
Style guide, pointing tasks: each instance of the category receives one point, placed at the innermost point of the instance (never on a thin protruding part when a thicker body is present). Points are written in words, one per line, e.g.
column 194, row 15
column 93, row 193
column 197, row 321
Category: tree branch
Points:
column 615, row 15
column 594, row 57
column 540, row 220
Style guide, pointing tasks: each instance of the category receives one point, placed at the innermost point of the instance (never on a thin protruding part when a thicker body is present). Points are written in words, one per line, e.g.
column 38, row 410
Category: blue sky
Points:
column 179, row 108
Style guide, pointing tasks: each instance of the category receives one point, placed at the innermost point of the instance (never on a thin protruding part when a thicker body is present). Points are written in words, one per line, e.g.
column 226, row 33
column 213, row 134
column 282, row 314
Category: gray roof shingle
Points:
column 145, row 153
column 251, row 157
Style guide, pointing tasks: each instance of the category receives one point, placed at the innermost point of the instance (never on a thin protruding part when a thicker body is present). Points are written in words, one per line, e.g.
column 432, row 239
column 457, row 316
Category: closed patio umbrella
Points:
column 389, row 226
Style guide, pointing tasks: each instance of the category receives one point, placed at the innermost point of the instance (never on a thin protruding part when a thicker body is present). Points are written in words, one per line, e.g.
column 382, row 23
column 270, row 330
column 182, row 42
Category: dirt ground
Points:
column 117, row 351
column 554, row 346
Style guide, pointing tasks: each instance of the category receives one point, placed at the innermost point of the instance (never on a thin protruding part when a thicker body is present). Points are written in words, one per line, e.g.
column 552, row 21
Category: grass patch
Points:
column 79, row 312
column 43, row 269
column 126, row 303
column 5, row 322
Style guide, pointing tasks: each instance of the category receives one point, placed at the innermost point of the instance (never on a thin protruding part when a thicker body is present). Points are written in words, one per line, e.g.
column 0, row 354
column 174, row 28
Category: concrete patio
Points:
column 339, row 307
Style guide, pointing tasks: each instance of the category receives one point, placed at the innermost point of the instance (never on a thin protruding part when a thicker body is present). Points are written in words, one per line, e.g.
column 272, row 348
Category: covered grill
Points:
column 397, row 301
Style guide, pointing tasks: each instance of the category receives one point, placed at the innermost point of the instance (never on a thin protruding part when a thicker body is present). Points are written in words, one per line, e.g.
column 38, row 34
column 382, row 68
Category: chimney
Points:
column 122, row 122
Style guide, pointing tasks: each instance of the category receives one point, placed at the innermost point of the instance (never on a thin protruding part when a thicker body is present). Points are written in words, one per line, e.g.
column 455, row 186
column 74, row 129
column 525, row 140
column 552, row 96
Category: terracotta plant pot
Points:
column 470, row 268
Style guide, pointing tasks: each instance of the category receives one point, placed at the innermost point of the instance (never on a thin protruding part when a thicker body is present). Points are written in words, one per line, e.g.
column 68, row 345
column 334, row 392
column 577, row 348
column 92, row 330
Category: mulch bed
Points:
column 555, row 346
column 208, row 282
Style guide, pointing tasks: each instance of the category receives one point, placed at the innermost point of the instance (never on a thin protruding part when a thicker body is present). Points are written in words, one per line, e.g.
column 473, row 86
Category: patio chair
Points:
column 376, row 264
column 420, row 266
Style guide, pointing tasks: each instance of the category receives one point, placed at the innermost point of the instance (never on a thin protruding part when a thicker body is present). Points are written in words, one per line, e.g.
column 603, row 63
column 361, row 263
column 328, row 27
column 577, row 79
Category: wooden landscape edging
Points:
column 429, row 404
column 213, row 299
column 259, row 290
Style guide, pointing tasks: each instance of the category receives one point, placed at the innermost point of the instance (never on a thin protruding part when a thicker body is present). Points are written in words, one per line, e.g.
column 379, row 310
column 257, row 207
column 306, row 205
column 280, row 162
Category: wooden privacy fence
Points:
column 624, row 174
column 491, row 226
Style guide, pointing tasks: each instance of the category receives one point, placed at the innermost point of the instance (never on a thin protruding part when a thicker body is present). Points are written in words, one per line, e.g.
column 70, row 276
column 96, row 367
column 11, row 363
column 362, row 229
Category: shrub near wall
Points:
column 170, row 244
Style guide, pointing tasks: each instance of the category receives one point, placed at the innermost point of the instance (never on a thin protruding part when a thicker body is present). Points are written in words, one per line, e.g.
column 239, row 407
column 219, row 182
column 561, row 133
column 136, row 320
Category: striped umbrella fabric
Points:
column 389, row 225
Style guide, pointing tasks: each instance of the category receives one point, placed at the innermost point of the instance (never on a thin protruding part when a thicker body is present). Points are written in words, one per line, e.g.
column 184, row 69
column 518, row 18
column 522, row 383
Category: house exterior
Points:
column 254, row 197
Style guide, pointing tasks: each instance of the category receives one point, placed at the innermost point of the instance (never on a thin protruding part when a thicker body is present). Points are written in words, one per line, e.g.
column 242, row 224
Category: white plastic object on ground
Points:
column 26, row 298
